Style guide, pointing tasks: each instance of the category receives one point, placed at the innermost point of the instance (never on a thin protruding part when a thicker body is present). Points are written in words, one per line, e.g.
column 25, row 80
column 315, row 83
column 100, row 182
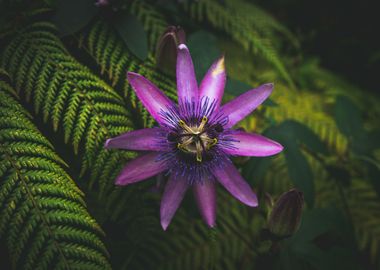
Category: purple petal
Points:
column 175, row 190
column 186, row 81
column 205, row 196
column 140, row 168
column 150, row 96
column 147, row 139
column 231, row 179
column 247, row 144
column 238, row 108
column 212, row 85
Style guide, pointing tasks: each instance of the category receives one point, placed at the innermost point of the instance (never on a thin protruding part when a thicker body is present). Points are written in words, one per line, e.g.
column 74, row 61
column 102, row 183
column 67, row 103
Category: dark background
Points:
column 343, row 34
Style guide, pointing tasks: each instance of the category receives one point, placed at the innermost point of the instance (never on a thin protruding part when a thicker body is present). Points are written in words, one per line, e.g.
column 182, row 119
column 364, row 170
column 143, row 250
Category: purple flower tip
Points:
column 107, row 144
column 269, row 87
column 165, row 224
column 253, row 202
column 182, row 46
column 132, row 75
column 277, row 147
column 211, row 223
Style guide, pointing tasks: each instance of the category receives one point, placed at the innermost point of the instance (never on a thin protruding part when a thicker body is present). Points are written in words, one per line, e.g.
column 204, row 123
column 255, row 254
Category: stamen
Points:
column 199, row 151
column 185, row 126
column 184, row 144
column 212, row 142
column 203, row 123
column 198, row 141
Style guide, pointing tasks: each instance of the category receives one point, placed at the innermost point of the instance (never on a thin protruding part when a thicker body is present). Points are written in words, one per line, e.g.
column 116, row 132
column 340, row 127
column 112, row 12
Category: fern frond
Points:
column 76, row 102
column 318, row 79
column 364, row 210
column 43, row 217
column 239, row 20
column 110, row 53
column 189, row 244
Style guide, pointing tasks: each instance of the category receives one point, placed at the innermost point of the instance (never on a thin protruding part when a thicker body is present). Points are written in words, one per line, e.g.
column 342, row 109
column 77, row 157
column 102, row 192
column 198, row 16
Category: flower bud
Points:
column 166, row 51
column 285, row 218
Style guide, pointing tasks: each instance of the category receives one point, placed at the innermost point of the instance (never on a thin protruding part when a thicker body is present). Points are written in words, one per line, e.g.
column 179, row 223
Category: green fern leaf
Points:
column 239, row 20
column 77, row 103
column 109, row 52
column 43, row 216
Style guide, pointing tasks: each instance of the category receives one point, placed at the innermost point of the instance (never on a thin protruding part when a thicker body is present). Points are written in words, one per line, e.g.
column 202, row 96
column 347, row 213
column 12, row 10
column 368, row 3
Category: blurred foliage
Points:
column 65, row 63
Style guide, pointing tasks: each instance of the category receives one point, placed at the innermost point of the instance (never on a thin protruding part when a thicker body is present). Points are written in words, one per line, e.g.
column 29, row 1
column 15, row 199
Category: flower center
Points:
column 195, row 139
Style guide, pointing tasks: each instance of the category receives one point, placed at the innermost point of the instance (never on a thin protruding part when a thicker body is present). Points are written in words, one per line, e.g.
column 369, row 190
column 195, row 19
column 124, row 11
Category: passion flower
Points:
column 194, row 139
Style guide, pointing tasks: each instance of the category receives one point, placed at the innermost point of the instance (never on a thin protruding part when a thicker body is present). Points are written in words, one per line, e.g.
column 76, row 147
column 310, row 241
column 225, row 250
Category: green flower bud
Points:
column 285, row 218
column 166, row 51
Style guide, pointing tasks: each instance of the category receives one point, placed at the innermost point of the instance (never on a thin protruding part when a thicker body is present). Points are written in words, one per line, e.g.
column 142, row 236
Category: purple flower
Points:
column 194, row 139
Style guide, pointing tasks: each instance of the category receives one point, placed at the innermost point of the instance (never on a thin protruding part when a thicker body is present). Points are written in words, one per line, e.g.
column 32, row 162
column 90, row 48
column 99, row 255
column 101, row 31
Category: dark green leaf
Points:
column 269, row 102
column 347, row 117
column 291, row 134
column 303, row 134
column 204, row 51
column 236, row 88
column 72, row 15
column 300, row 171
column 374, row 140
column 304, row 247
column 133, row 34
column 255, row 168
column 340, row 174
column 349, row 121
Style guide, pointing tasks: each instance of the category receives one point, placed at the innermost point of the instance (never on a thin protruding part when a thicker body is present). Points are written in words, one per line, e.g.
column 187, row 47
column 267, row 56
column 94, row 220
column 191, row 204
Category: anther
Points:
column 183, row 145
column 185, row 126
column 212, row 143
column 203, row 123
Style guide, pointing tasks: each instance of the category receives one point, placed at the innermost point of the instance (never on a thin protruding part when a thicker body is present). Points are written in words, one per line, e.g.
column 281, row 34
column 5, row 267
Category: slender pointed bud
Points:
column 166, row 51
column 285, row 217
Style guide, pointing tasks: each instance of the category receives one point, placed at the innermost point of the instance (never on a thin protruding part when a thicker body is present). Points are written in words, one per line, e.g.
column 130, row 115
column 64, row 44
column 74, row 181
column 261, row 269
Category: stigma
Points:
column 194, row 139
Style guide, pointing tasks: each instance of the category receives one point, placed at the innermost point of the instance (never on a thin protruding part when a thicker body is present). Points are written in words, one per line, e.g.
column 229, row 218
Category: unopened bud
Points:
column 285, row 218
column 166, row 52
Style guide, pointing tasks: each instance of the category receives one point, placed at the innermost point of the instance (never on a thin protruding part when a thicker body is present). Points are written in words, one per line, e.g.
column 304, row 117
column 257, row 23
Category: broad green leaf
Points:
column 306, row 250
column 255, row 168
column 349, row 121
column 303, row 134
column 299, row 171
column 235, row 87
column 72, row 15
column 204, row 51
column 291, row 135
column 347, row 117
column 133, row 34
